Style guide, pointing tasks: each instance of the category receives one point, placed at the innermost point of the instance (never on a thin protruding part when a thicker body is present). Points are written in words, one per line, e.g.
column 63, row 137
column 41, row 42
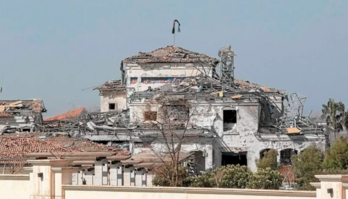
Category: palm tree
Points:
column 335, row 116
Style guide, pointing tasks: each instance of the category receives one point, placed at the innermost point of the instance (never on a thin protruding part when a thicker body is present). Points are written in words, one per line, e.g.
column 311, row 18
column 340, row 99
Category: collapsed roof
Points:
column 18, row 115
column 15, row 107
column 111, row 85
column 172, row 54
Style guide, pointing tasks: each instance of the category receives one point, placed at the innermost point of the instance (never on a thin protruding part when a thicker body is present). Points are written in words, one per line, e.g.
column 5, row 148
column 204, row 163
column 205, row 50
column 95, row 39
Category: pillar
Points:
column 47, row 178
column 116, row 174
column 101, row 172
column 331, row 186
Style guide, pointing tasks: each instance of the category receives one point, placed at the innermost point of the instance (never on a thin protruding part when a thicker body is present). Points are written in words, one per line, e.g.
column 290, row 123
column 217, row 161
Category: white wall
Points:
column 117, row 97
column 93, row 192
column 14, row 186
column 161, row 70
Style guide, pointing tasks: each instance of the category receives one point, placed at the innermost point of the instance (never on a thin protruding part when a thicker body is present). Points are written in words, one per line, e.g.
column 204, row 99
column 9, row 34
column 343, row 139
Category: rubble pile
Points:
column 20, row 115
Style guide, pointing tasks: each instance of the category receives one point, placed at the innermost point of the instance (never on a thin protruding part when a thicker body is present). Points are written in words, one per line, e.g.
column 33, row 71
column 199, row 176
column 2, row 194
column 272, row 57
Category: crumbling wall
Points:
column 191, row 144
column 135, row 73
column 119, row 98
column 244, row 136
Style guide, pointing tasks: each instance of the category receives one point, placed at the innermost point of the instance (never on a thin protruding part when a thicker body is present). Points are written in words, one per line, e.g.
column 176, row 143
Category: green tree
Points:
column 306, row 165
column 336, row 158
column 267, row 178
column 269, row 160
column 334, row 115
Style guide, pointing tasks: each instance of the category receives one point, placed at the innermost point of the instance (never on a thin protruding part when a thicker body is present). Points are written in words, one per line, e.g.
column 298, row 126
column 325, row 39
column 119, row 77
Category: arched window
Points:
column 262, row 152
column 286, row 154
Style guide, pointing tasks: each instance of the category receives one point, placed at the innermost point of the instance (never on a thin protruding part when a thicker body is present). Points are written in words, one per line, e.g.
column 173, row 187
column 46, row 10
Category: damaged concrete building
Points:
column 221, row 119
column 21, row 115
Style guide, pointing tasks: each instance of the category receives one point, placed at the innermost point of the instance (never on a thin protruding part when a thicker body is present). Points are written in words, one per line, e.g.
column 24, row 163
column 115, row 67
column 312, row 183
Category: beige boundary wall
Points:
column 52, row 179
column 14, row 186
column 97, row 192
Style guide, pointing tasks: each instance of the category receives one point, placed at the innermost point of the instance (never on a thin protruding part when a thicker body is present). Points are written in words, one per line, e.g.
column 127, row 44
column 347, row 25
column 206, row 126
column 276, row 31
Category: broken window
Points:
column 231, row 158
column 285, row 156
column 230, row 118
column 134, row 80
column 112, row 106
column 150, row 116
column 154, row 80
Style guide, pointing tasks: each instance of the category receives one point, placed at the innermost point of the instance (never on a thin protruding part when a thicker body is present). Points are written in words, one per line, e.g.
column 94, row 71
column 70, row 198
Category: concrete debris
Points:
column 20, row 115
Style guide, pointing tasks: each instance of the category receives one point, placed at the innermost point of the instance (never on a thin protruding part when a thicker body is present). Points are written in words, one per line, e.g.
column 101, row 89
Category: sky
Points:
column 58, row 50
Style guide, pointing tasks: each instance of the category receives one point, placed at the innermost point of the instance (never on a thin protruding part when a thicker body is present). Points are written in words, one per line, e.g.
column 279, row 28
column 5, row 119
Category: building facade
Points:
column 224, row 120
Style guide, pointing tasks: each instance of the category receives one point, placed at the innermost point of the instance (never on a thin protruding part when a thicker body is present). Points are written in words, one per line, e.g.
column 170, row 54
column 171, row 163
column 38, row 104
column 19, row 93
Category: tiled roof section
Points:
column 111, row 85
column 246, row 85
column 68, row 115
column 171, row 54
column 13, row 148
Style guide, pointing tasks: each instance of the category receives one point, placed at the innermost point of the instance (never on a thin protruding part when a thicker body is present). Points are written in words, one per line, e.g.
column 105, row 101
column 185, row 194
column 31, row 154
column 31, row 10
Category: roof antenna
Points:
column 173, row 30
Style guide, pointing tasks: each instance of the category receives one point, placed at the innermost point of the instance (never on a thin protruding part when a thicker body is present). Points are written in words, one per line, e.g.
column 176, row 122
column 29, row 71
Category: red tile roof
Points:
column 68, row 115
column 13, row 148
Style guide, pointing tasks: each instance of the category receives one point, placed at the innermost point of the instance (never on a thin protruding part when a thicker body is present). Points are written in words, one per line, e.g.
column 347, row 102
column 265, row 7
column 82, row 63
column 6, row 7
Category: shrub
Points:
column 265, row 179
column 204, row 180
column 336, row 158
column 165, row 175
column 269, row 160
column 306, row 165
column 232, row 176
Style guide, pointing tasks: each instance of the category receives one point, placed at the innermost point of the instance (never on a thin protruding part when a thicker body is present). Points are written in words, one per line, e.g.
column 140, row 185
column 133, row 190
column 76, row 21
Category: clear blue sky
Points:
column 54, row 49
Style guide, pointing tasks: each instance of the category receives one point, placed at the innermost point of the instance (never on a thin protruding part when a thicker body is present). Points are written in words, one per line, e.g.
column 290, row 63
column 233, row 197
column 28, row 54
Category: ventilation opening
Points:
column 231, row 158
column 112, row 106
column 285, row 156
column 230, row 118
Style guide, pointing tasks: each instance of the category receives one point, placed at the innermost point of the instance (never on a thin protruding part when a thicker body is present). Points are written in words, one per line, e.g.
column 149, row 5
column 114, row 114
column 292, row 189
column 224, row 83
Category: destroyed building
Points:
column 21, row 115
column 223, row 120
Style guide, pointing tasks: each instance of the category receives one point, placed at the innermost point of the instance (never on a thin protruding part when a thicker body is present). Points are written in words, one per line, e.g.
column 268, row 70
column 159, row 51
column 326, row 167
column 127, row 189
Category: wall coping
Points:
column 14, row 177
column 332, row 178
column 217, row 191
column 50, row 162
column 316, row 185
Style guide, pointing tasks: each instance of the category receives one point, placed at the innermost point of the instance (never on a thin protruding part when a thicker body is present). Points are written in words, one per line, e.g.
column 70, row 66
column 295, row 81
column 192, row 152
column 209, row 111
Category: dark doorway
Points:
column 230, row 118
column 231, row 158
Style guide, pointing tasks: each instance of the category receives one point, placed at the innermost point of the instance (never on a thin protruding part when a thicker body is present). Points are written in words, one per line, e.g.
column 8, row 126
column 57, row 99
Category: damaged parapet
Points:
column 20, row 115
column 79, row 122
column 112, row 96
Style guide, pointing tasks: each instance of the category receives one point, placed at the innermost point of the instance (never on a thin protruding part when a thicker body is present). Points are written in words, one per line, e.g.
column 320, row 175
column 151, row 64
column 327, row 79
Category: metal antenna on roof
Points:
column 173, row 30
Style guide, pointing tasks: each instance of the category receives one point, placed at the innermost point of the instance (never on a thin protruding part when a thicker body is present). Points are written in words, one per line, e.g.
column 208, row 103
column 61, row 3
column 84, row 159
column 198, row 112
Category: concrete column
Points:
column 208, row 157
column 149, row 177
column 89, row 177
column 139, row 177
column 116, row 175
column 75, row 178
column 101, row 172
column 128, row 176
column 132, row 177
